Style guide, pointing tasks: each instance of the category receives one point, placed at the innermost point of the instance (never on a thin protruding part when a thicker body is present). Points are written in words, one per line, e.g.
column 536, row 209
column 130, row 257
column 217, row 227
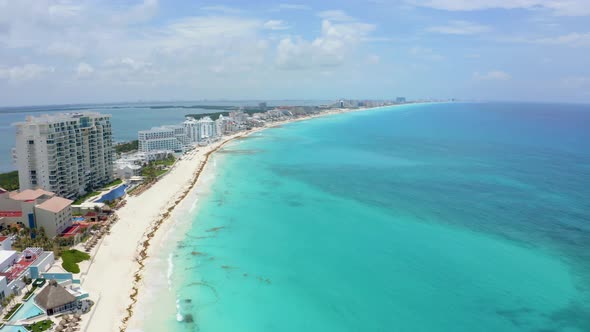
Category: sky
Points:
column 90, row 51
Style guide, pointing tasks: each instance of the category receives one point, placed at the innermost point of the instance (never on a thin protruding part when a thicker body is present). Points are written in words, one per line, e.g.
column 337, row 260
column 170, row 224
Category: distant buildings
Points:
column 400, row 100
column 35, row 209
column 200, row 130
column 165, row 138
column 69, row 153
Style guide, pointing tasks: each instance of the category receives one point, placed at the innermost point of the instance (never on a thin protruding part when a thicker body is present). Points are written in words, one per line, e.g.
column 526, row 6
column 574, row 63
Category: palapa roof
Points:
column 53, row 296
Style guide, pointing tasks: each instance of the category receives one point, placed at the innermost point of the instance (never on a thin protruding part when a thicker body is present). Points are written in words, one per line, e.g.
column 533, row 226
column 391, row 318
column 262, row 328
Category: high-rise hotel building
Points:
column 69, row 153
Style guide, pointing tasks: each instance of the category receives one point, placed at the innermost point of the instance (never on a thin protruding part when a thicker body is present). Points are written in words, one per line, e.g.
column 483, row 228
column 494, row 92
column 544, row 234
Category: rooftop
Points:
column 55, row 204
column 53, row 296
column 59, row 117
column 6, row 254
column 29, row 194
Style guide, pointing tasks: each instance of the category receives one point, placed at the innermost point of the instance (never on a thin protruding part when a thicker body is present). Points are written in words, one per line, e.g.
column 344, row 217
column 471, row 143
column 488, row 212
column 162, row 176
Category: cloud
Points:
column 84, row 70
column 425, row 54
column 373, row 59
column 335, row 15
column 139, row 13
column 25, row 73
column 571, row 39
column 275, row 25
column 558, row 7
column 460, row 28
column 493, row 75
column 63, row 49
column 292, row 6
column 329, row 49
column 221, row 9
column 575, row 82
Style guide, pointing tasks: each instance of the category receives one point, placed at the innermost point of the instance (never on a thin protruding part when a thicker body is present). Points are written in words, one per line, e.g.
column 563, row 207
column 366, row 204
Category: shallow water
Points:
column 447, row 217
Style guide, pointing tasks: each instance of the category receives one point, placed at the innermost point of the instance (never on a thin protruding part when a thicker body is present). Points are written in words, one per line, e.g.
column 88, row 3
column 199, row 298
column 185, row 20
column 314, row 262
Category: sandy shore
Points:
column 114, row 276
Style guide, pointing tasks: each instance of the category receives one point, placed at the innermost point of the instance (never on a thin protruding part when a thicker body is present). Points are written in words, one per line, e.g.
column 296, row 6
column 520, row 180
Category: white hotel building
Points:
column 165, row 138
column 200, row 130
column 68, row 153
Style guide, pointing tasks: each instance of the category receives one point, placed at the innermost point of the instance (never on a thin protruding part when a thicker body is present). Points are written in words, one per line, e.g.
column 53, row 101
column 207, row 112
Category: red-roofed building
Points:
column 34, row 209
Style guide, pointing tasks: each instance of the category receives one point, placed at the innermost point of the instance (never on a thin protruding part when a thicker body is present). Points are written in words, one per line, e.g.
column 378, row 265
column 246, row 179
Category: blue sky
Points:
column 62, row 51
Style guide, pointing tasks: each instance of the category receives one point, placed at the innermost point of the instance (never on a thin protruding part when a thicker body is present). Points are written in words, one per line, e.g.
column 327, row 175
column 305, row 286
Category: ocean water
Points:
column 127, row 119
column 440, row 217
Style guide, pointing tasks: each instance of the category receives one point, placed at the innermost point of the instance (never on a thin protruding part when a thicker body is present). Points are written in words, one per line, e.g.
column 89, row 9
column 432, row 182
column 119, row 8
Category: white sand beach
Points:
column 113, row 277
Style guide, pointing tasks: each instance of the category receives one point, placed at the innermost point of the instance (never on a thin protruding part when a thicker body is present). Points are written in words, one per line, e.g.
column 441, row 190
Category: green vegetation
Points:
column 9, row 181
column 127, row 147
column 12, row 311
column 214, row 116
column 71, row 258
column 156, row 168
column 85, row 197
column 169, row 161
column 40, row 326
column 29, row 293
column 113, row 183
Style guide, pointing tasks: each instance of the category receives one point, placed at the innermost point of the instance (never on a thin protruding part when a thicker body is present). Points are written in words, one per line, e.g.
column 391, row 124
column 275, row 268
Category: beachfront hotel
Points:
column 201, row 130
column 165, row 138
column 68, row 154
column 35, row 209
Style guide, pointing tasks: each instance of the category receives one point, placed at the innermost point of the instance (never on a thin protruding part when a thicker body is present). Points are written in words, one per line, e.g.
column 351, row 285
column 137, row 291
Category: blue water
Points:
column 127, row 119
column 443, row 217
column 28, row 310
column 13, row 328
column 114, row 193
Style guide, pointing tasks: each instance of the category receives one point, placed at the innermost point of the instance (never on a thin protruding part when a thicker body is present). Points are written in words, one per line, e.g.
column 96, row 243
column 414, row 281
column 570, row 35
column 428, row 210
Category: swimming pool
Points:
column 113, row 194
column 78, row 219
column 13, row 328
column 28, row 310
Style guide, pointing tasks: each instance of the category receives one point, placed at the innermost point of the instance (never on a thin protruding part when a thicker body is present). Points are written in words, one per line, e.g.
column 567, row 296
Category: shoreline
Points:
column 114, row 306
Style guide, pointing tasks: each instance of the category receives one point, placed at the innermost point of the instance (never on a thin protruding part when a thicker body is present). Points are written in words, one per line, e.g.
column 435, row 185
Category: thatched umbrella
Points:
column 77, row 316
column 58, row 328
column 69, row 329
column 62, row 322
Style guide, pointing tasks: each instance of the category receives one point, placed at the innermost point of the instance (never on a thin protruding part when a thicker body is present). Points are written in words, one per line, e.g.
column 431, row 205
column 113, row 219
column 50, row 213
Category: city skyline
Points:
column 64, row 52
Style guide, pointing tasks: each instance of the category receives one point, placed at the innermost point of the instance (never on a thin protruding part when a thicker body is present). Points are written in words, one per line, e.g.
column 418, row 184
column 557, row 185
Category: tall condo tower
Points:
column 68, row 153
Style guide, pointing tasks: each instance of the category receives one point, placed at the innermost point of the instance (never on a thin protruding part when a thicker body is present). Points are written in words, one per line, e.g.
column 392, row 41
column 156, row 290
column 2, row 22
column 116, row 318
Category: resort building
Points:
column 68, row 153
column 192, row 128
column 55, row 299
column 201, row 130
column 35, row 209
column 165, row 138
column 207, row 129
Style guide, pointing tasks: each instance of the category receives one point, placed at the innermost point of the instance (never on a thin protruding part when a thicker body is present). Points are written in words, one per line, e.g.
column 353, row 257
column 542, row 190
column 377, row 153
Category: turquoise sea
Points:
column 436, row 217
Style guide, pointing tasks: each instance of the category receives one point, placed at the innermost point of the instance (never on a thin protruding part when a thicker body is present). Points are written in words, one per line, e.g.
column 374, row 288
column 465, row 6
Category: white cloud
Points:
column 493, row 75
column 292, row 6
column 559, row 7
column 335, row 15
column 24, row 73
column 373, row 59
column 84, row 70
column 221, row 9
column 572, row 39
column 425, row 53
column 460, row 28
column 139, row 13
column 335, row 43
column 63, row 49
column 276, row 25
column 575, row 82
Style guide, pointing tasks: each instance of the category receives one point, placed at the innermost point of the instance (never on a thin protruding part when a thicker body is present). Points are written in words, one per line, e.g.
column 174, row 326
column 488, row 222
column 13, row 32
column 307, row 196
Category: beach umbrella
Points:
column 62, row 322
column 69, row 329
column 77, row 315
column 59, row 328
